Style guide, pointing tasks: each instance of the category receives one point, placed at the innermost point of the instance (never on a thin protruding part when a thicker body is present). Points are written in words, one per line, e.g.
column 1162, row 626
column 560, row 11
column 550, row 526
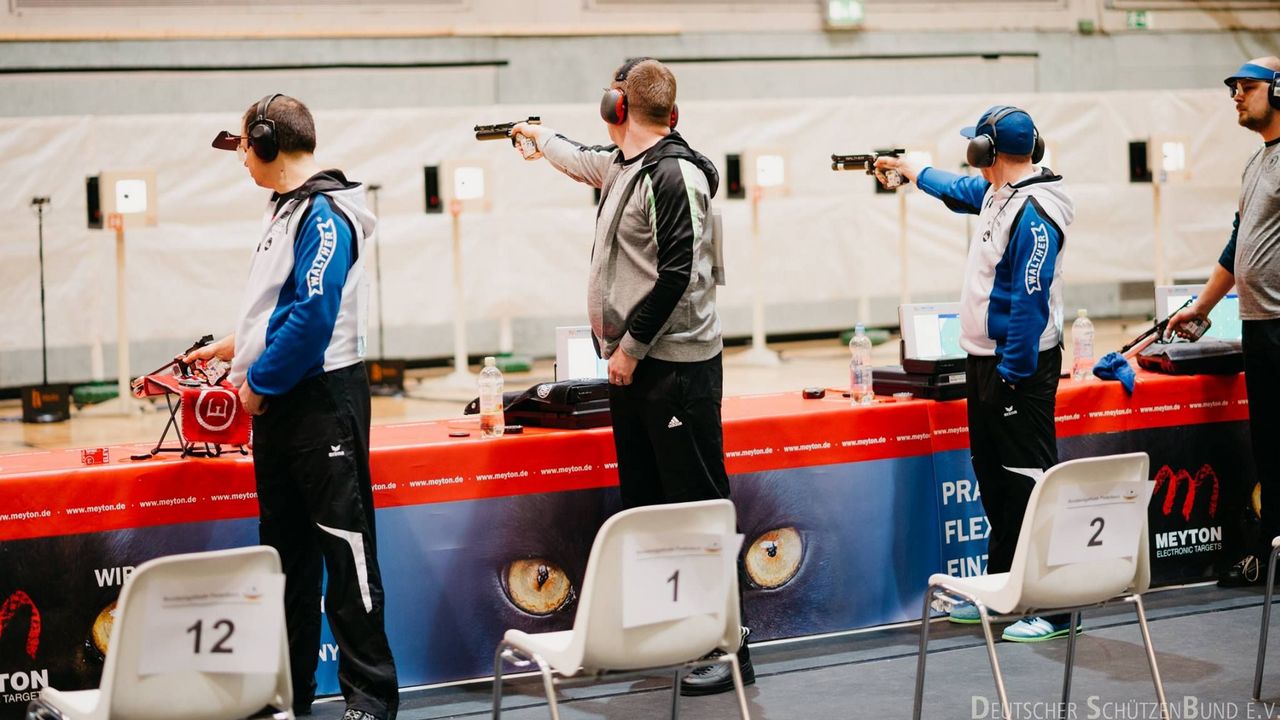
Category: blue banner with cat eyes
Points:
column 826, row 548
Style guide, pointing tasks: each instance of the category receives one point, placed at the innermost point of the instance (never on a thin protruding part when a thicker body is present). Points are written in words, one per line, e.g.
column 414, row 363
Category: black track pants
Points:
column 667, row 434
column 311, row 463
column 1010, row 430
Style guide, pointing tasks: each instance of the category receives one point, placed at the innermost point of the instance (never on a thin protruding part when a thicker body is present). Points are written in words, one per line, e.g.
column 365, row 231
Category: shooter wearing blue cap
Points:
column 1251, row 262
column 1010, row 324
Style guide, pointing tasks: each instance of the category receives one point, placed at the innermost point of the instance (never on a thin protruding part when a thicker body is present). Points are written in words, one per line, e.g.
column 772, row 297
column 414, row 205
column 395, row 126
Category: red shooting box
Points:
column 95, row 456
column 213, row 414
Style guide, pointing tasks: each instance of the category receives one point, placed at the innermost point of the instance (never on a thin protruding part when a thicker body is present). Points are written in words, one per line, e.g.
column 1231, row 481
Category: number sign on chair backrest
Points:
column 1084, row 535
column 167, row 660
column 600, row 620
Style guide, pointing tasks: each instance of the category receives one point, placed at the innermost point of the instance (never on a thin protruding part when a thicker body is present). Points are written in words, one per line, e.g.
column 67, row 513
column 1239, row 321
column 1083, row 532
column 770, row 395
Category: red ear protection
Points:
column 613, row 105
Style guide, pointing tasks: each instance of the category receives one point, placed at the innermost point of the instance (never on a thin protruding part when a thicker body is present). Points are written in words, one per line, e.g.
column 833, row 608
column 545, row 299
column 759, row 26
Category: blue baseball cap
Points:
column 1249, row 71
column 1014, row 134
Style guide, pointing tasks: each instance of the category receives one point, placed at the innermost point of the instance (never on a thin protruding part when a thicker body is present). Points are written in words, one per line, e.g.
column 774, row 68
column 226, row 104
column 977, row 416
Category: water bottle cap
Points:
column 1082, row 313
column 489, row 361
column 859, row 329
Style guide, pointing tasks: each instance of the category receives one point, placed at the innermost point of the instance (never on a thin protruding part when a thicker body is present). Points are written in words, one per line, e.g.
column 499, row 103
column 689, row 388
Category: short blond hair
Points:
column 651, row 92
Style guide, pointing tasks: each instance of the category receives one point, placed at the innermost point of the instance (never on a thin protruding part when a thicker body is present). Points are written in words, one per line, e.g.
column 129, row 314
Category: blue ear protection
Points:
column 981, row 152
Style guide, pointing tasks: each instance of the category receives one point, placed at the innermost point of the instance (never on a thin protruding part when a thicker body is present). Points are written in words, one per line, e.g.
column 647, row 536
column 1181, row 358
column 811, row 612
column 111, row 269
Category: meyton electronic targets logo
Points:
column 1199, row 493
column 22, row 685
column 16, row 602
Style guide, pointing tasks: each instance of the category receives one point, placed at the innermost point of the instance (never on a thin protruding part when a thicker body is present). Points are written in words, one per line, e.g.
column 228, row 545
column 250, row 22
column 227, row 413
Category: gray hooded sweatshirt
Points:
column 651, row 289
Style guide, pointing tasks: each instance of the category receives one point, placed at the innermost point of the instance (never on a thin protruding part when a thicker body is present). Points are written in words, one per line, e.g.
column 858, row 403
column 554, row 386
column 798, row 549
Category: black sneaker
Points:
column 354, row 714
column 1248, row 571
column 718, row 678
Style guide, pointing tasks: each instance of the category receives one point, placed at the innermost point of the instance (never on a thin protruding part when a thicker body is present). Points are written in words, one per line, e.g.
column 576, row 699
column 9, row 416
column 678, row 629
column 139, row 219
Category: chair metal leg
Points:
column 1266, row 626
column 923, row 652
column 738, row 687
column 548, row 686
column 995, row 662
column 675, row 693
column 509, row 653
column 1069, row 663
column 497, row 680
column 1151, row 655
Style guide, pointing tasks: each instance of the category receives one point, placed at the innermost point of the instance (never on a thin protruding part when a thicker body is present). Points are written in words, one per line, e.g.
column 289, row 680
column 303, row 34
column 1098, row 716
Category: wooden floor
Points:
column 819, row 362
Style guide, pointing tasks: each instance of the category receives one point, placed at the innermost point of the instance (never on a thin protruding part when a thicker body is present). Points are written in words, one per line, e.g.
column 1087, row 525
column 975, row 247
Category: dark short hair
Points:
column 295, row 128
column 651, row 92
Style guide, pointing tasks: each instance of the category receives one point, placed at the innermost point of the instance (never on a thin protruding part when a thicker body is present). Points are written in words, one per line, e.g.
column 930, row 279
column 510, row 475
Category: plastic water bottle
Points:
column 1082, row 345
column 491, row 420
column 860, row 390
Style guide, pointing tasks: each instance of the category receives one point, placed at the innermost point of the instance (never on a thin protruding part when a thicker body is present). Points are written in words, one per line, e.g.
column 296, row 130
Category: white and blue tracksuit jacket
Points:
column 1011, row 301
column 305, row 307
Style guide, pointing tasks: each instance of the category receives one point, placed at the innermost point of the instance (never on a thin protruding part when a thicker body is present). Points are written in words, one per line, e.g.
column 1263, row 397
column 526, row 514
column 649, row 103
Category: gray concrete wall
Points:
column 40, row 78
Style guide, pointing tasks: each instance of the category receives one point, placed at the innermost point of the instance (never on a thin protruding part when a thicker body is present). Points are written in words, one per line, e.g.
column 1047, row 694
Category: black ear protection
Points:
column 981, row 152
column 262, row 132
column 1273, row 91
column 613, row 105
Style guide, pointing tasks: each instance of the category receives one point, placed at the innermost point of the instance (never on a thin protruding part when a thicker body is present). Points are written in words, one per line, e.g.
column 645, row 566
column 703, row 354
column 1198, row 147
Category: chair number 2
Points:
column 675, row 585
column 218, row 647
column 1094, row 541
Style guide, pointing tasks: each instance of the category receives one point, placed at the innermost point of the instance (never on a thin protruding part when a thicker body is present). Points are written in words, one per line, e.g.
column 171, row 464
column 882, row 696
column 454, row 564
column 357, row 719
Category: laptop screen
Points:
column 930, row 330
column 576, row 355
column 1225, row 315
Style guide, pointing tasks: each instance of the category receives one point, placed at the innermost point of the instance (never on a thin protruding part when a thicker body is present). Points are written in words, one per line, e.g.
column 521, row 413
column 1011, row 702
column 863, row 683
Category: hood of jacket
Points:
column 1046, row 187
column 674, row 145
column 350, row 195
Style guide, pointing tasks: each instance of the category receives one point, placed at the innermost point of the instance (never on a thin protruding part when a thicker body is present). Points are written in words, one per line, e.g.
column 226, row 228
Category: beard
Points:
column 1254, row 121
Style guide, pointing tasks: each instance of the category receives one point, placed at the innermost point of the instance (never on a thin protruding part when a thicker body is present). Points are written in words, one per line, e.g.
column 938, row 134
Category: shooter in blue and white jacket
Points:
column 297, row 357
column 1011, row 320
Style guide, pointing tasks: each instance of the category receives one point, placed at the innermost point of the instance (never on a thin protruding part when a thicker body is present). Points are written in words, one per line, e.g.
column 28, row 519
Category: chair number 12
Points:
column 675, row 585
column 220, row 646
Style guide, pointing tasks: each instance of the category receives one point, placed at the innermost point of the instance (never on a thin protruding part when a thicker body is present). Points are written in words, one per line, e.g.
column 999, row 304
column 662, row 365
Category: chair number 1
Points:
column 675, row 585
column 218, row 647
column 1094, row 541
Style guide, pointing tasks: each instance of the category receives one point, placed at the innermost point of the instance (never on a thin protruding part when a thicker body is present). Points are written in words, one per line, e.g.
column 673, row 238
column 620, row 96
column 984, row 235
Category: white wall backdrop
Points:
column 829, row 244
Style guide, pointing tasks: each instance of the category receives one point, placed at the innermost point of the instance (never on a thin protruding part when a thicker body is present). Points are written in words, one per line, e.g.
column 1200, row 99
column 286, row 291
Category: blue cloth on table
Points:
column 1114, row 366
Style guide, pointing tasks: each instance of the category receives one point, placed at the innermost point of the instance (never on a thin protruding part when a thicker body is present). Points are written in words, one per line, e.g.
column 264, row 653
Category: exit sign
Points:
column 1138, row 19
column 844, row 13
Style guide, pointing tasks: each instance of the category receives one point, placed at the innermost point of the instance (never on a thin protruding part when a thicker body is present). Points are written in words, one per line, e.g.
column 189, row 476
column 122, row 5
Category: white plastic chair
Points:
column 1266, row 619
column 123, row 694
column 1033, row 587
column 599, row 644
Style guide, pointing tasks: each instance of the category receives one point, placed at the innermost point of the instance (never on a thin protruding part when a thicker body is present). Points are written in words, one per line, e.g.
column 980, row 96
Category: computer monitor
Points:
column 576, row 356
column 1225, row 315
column 930, row 331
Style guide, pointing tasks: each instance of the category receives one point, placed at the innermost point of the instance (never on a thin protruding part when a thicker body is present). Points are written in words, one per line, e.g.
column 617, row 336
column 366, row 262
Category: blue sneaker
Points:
column 965, row 613
column 1037, row 629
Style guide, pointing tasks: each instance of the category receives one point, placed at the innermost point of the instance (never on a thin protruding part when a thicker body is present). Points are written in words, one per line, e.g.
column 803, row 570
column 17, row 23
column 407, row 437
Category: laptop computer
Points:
column 931, row 338
column 576, row 356
column 1225, row 315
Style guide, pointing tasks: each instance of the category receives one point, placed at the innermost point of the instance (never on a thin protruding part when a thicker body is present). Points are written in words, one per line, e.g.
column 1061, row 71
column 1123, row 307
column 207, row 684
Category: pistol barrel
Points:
column 851, row 162
column 502, row 131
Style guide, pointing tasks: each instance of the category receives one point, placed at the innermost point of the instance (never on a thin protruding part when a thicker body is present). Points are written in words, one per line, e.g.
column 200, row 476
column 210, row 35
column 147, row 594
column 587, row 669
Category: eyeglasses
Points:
column 1242, row 87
